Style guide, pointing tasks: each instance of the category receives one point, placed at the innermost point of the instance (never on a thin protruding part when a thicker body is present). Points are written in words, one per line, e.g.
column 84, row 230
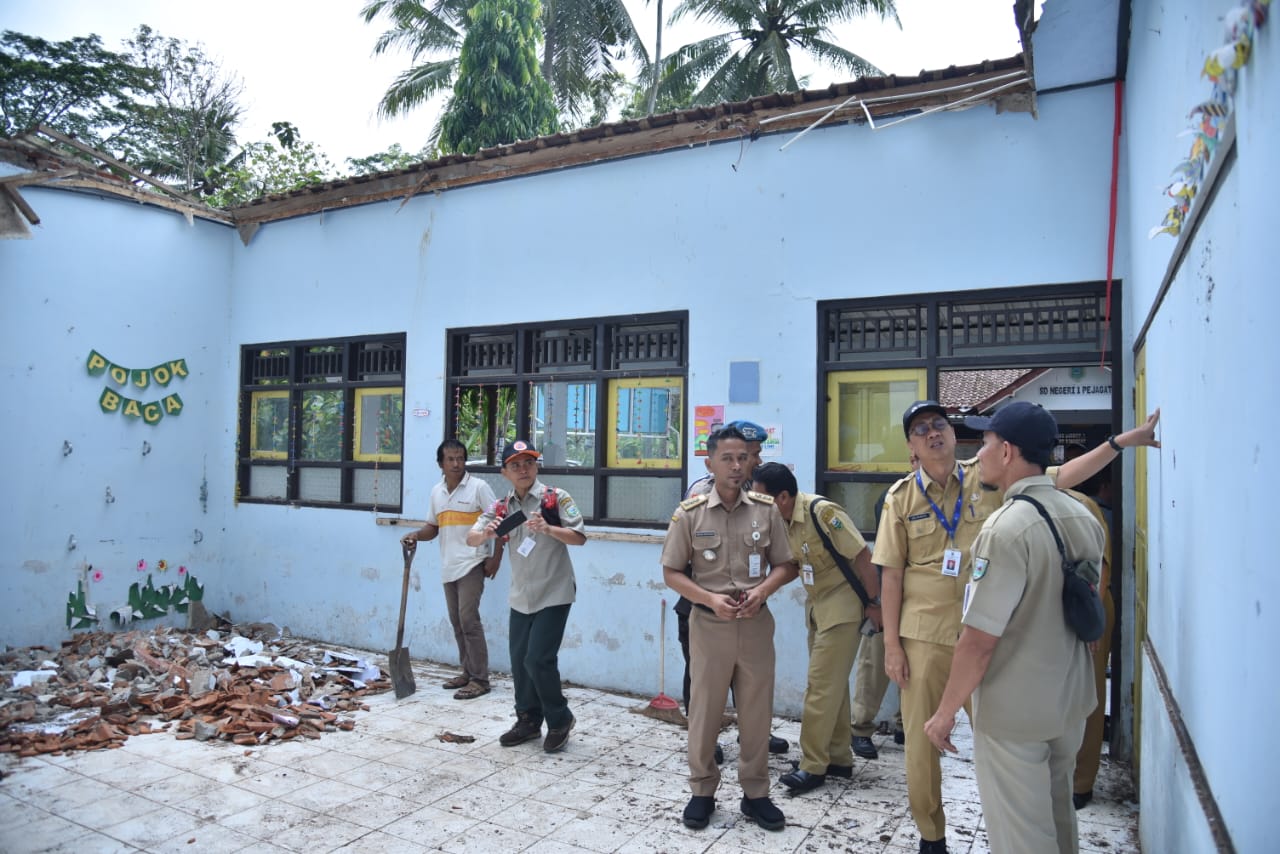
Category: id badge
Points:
column 527, row 546
column 951, row 563
column 753, row 565
column 806, row 575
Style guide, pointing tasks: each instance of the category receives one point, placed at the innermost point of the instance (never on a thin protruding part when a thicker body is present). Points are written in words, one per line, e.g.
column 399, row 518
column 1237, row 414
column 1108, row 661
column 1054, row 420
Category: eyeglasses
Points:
column 924, row 428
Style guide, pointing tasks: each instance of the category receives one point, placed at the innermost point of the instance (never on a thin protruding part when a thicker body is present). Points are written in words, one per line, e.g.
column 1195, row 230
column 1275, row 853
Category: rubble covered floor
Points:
column 392, row 784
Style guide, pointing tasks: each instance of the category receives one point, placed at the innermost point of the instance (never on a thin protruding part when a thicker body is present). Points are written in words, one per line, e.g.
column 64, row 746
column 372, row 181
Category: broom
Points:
column 662, row 707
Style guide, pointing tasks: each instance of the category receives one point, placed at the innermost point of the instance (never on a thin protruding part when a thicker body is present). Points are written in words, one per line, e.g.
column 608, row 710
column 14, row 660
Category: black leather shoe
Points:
column 778, row 745
column 1081, row 799
column 802, row 781
column 719, row 755
column 526, row 728
column 558, row 737
column 938, row 846
column 899, row 737
column 698, row 812
column 842, row 771
column 863, row 746
column 764, row 813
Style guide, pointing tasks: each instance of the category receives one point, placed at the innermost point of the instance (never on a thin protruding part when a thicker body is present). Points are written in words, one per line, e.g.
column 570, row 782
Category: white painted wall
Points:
column 1210, row 354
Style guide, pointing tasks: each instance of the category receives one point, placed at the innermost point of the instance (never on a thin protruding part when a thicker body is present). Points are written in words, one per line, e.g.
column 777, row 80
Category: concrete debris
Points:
column 247, row 684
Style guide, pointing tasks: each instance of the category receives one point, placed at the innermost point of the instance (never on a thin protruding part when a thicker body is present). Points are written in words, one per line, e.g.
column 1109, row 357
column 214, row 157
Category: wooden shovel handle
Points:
column 404, row 593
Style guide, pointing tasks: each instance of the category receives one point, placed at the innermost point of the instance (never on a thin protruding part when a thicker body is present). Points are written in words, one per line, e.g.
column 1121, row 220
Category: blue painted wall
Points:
column 142, row 287
column 956, row 201
column 1209, row 355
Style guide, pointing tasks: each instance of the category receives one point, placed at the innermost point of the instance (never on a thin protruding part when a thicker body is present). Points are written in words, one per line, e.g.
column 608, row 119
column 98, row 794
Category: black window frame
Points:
column 366, row 361
column 580, row 350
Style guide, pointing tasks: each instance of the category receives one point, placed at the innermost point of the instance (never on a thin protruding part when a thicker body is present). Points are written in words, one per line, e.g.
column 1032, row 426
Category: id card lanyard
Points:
column 951, row 557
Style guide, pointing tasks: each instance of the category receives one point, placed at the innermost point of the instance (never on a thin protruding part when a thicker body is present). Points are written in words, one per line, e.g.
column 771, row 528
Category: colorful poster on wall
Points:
column 705, row 420
column 772, row 446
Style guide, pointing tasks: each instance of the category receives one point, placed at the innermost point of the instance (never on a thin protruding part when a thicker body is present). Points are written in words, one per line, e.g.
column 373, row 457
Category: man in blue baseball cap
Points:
column 755, row 436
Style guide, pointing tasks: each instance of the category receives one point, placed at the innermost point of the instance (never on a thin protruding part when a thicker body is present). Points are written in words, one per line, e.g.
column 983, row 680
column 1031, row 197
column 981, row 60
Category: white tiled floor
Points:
column 392, row 786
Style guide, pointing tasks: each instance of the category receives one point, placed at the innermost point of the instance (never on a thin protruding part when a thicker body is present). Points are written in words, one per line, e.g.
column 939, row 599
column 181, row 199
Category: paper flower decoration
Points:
column 97, row 575
column 142, row 566
column 182, row 570
column 162, row 565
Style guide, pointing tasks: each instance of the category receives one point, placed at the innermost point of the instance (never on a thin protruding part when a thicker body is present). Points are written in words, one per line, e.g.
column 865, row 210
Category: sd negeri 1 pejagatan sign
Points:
column 140, row 378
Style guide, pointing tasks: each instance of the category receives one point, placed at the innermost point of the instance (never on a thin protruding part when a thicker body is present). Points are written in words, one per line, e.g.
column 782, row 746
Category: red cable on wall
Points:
column 1111, row 226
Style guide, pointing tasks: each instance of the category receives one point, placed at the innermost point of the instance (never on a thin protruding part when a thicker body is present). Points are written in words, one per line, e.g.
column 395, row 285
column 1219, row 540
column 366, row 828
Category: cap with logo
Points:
column 1028, row 426
column 519, row 448
column 750, row 430
column 916, row 408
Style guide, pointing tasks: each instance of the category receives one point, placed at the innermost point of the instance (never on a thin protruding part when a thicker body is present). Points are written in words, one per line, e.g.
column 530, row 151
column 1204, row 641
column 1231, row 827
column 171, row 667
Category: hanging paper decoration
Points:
column 161, row 375
column 1209, row 117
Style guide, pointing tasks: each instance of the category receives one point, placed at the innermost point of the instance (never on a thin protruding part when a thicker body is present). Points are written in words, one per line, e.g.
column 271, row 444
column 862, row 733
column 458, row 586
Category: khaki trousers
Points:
column 724, row 652
column 869, row 687
column 929, row 665
column 824, row 728
column 1026, row 792
column 1091, row 748
column 462, row 600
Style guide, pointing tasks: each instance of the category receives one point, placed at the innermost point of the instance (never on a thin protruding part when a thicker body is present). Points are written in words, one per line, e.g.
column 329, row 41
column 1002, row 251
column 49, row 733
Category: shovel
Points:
column 401, row 671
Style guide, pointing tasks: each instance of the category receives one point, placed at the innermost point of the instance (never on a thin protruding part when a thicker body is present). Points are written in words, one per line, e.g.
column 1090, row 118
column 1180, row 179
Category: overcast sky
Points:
column 311, row 62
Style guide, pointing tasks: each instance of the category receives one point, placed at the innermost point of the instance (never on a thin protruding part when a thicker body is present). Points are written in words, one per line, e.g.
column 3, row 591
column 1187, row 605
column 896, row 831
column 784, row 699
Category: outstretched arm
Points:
column 1087, row 465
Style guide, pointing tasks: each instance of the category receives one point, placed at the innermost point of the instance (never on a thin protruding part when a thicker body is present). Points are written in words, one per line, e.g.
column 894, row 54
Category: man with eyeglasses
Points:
column 924, row 547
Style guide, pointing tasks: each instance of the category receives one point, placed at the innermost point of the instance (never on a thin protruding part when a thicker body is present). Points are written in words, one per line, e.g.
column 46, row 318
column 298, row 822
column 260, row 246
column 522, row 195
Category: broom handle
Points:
column 662, row 652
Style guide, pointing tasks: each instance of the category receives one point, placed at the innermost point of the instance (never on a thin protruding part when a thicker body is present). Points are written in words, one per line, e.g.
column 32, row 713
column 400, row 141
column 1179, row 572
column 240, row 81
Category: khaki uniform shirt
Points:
column 1040, row 679
column 719, row 539
column 544, row 577
column 911, row 536
column 830, row 598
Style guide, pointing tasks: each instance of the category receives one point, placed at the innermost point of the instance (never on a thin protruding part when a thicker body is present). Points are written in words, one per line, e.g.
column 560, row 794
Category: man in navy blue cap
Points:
column 755, row 436
column 924, row 544
column 1030, row 675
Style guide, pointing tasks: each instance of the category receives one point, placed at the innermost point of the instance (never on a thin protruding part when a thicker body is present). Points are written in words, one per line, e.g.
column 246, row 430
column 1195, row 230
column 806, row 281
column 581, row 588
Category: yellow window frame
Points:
column 256, row 398
column 656, row 383
column 358, row 425
column 834, row 381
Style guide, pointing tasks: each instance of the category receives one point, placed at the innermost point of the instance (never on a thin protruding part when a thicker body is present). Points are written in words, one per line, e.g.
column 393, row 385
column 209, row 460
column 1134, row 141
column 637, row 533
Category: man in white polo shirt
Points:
column 456, row 503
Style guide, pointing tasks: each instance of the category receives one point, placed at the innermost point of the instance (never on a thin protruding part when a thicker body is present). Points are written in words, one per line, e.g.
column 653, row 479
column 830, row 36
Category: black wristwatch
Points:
column 1111, row 440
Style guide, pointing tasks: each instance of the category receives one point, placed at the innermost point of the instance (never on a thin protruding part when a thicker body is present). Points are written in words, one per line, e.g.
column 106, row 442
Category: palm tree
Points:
column 425, row 30
column 754, row 56
column 582, row 40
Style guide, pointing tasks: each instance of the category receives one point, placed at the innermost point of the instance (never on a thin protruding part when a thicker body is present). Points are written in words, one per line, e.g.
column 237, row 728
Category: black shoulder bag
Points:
column 836, row 556
column 1081, row 604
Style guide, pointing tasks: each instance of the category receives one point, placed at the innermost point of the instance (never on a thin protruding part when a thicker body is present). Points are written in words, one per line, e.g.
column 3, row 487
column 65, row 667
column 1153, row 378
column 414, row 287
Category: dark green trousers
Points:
column 535, row 664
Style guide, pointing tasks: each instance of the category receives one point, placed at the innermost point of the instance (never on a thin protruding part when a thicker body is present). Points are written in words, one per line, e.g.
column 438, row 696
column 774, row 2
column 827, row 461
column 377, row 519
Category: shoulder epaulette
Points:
column 893, row 490
column 762, row 497
column 692, row 502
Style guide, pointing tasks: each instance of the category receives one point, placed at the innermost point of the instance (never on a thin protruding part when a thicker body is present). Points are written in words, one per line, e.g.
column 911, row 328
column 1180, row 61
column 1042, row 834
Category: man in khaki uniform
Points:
column 1030, row 675
column 924, row 546
column 833, row 614
column 731, row 538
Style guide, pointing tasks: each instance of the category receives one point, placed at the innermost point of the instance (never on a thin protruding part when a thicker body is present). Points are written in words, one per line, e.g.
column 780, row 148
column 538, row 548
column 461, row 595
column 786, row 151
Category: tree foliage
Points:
column 393, row 158
column 499, row 96
column 280, row 165
column 75, row 86
column 188, row 124
column 582, row 42
column 753, row 56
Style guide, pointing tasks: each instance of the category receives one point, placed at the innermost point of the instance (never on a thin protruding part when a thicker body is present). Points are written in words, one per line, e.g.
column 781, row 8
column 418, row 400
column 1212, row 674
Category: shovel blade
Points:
column 401, row 672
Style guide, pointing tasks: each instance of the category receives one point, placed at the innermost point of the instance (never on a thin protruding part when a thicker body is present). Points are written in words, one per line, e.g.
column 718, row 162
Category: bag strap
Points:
column 839, row 558
column 1062, row 550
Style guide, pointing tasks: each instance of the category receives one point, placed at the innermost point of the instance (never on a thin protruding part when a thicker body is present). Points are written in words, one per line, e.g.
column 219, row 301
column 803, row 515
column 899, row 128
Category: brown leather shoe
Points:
column 456, row 682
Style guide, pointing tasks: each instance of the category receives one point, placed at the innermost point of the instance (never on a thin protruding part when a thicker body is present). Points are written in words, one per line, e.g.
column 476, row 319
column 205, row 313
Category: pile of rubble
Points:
column 245, row 684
